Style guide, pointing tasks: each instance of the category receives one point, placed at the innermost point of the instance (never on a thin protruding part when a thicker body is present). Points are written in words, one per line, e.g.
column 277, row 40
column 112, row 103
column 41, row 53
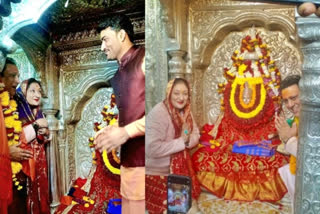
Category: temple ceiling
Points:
column 71, row 16
column 83, row 13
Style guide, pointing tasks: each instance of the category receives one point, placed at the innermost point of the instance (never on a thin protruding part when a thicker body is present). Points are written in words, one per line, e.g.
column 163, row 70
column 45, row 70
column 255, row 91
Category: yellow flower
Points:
column 13, row 104
column 4, row 98
column 91, row 201
column 16, row 167
column 113, row 121
column 9, row 122
column 86, row 205
column 242, row 69
column 108, row 164
column 293, row 163
column 19, row 187
column 16, row 116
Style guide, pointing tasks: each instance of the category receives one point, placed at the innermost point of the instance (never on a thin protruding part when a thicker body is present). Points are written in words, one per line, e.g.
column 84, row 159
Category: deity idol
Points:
column 238, row 160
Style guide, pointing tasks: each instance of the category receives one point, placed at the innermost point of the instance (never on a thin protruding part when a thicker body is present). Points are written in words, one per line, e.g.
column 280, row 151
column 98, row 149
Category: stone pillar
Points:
column 50, row 76
column 307, row 195
column 54, row 173
column 177, row 64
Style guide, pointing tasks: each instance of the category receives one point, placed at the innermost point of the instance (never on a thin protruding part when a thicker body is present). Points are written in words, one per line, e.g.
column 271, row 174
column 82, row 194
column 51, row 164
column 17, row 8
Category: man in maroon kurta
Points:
column 129, row 87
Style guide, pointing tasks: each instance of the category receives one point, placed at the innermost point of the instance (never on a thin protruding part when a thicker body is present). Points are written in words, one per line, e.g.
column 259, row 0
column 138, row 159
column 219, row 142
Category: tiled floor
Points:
column 208, row 204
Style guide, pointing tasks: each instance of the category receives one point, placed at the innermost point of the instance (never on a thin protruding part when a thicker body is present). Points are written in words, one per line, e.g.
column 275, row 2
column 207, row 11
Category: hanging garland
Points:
column 110, row 116
column 262, row 78
column 13, row 128
column 252, row 69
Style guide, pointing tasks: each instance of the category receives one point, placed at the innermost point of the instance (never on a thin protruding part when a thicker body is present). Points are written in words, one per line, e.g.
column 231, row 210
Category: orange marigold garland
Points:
column 13, row 128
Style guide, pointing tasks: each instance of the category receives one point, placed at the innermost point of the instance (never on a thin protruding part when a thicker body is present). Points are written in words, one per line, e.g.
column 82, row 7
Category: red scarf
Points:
column 181, row 162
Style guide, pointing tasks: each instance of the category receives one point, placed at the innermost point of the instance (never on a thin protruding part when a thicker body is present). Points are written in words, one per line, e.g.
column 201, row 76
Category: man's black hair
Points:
column 9, row 60
column 117, row 23
column 289, row 81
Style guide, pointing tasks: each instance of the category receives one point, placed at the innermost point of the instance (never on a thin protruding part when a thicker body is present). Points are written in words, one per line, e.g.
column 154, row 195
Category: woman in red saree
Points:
column 171, row 132
column 28, row 98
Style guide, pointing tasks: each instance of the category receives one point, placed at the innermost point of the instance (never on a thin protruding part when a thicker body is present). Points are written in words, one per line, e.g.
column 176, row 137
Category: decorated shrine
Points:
column 238, row 158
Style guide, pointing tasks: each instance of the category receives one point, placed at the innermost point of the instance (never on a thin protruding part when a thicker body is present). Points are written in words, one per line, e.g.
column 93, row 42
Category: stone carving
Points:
column 74, row 92
column 86, row 34
column 79, row 84
column 212, row 4
column 138, row 25
column 84, row 129
column 208, row 27
column 70, row 155
column 81, row 57
column 308, row 164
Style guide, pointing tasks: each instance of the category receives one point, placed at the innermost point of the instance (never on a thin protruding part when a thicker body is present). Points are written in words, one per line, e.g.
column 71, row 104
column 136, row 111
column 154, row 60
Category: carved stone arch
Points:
column 80, row 93
column 216, row 32
column 258, row 18
column 90, row 113
column 80, row 86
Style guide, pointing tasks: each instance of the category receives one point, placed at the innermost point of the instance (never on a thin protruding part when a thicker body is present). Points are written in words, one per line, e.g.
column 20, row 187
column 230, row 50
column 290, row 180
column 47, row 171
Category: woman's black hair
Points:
column 32, row 80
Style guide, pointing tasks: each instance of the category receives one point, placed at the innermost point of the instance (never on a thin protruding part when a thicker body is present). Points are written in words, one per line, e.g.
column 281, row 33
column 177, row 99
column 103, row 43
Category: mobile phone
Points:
column 179, row 194
column 316, row 2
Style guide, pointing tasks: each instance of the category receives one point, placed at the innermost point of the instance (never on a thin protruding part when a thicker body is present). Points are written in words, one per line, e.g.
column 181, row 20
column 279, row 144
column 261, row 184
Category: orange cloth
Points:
column 133, row 206
column 5, row 168
column 28, row 166
column 133, row 177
